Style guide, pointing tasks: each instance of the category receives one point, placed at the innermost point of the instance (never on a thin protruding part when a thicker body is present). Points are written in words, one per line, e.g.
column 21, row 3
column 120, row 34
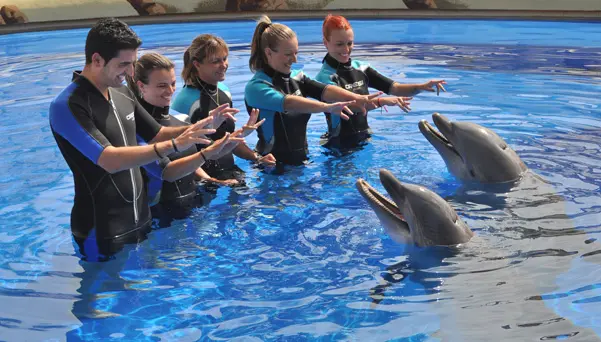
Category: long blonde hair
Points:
column 267, row 34
column 202, row 46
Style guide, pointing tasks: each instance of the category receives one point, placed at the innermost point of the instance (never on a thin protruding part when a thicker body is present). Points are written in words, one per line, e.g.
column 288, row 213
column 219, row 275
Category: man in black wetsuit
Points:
column 105, row 135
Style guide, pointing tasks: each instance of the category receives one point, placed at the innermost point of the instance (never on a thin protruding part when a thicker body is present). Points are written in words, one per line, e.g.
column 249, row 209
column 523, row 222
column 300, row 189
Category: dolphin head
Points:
column 472, row 152
column 415, row 214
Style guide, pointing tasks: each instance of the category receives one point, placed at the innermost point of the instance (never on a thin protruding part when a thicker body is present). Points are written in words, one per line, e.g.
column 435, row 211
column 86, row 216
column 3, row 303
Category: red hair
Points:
column 334, row 22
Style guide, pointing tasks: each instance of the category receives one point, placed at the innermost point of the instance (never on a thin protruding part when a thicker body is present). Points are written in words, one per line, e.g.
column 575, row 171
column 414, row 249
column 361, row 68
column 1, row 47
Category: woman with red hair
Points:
column 356, row 76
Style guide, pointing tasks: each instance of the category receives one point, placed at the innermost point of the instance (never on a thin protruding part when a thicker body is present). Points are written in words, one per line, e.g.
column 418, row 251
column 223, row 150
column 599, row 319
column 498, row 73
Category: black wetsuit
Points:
column 197, row 101
column 115, row 206
column 357, row 77
column 178, row 198
column 283, row 134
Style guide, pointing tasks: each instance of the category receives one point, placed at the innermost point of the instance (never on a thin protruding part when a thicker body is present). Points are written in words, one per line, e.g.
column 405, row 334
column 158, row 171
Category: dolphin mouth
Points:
column 430, row 131
column 377, row 198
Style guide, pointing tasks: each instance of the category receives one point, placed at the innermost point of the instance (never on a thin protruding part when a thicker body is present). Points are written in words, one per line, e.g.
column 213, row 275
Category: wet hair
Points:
column 109, row 36
column 202, row 47
column 267, row 34
column 334, row 22
column 145, row 65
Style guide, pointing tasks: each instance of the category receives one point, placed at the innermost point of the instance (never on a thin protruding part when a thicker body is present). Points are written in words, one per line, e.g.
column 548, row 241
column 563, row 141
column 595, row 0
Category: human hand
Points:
column 221, row 147
column 340, row 108
column 222, row 113
column 267, row 160
column 401, row 101
column 195, row 134
column 251, row 125
column 428, row 86
column 362, row 101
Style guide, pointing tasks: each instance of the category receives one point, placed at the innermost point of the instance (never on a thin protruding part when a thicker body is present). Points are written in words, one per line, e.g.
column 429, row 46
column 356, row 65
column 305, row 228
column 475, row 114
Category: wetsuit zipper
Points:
column 131, row 171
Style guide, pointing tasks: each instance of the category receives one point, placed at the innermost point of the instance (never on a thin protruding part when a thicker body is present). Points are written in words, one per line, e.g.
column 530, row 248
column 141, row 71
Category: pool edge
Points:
column 580, row 16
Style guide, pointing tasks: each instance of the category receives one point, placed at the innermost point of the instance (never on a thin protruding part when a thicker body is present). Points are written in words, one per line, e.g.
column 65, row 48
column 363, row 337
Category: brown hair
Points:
column 144, row 66
column 267, row 34
column 202, row 46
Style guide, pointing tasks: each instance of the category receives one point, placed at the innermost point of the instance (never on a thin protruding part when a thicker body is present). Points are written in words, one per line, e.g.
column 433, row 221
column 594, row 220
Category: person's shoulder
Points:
column 259, row 80
column 360, row 65
column 68, row 95
column 325, row 73
column 297, row 74
column 225, row 89
column 185, row 99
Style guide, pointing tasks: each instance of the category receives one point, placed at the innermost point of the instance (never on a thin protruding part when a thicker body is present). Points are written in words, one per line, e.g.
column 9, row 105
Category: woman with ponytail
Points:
column 205, row 66
column 282, row 94
column 338, row 69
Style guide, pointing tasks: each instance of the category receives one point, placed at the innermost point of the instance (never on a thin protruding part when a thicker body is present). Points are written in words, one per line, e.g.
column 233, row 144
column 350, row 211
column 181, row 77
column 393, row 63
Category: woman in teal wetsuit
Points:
column 205, row 67
column 339, row 69
column 281, row 94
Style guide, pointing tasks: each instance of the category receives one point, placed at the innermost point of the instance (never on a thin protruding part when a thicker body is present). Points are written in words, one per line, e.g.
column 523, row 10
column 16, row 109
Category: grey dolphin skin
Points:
column 415, row 214
column 473, row 153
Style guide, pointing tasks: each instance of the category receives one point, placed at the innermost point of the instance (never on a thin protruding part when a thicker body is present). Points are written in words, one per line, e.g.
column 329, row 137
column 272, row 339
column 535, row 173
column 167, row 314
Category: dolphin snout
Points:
column 393, row 186
column 442, row 123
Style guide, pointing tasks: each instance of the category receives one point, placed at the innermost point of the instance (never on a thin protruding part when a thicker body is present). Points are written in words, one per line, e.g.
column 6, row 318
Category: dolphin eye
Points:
column 503, row 146
column 472, row 173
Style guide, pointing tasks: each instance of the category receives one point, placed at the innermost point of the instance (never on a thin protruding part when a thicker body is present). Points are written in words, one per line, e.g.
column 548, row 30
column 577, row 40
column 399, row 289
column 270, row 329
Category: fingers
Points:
column 403, row 105
column 225, row 116
column 374, row 95
column 201, row 141
column 439, row 86
column 254, row 115
column 347, row 103
column 221, row 142
column 347, row 110
column 219, row 109
column 235, row 140
column 202, row 133
column 202, row 123
column 258, row 124
column 230, row 110
column 268, row 160
column 238, row 132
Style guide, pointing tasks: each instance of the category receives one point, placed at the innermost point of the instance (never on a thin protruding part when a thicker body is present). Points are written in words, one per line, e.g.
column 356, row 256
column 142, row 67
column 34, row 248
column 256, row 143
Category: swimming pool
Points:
column 300, row 256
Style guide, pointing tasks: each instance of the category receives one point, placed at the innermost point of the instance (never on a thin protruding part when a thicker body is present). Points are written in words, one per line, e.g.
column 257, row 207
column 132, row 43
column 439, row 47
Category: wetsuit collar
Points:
column 157, row 113
column 271, row 72
column 82, row 80
column 333, row 62
column 202, row 85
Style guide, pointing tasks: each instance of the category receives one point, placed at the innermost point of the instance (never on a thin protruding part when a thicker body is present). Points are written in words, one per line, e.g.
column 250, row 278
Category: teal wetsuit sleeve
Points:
column 262, row 95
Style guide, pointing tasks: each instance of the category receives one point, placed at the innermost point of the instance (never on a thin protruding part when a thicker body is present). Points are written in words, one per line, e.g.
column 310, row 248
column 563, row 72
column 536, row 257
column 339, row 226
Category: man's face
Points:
column 113, row 73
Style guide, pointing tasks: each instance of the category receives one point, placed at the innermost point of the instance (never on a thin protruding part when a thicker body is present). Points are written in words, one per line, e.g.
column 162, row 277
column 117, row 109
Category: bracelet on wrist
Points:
column 156, row 150
column 204, row 158
column 174, row 145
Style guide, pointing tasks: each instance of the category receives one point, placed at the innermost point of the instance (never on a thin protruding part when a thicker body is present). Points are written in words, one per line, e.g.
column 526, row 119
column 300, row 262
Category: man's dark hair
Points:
column 107, row 37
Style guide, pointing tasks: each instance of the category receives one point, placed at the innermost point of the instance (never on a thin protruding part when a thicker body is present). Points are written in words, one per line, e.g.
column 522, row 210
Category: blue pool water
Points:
column 300, row 256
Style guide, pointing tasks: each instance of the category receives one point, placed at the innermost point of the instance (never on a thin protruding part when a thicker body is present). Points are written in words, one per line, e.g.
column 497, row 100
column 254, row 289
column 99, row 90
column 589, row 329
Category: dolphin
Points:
column 473, row 153
column 415, row 214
